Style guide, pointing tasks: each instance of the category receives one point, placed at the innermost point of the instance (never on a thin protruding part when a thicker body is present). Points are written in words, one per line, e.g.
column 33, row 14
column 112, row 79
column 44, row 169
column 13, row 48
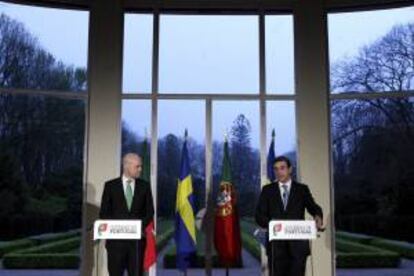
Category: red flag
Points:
column 227, row 238
column 227, row 228
column 151, row 247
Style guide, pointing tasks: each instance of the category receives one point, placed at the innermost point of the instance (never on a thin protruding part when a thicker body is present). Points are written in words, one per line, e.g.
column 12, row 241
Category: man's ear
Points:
column 290, row 170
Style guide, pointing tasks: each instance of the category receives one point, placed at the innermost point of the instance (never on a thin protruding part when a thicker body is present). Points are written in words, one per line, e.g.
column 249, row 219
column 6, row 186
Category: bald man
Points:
column 127, row 197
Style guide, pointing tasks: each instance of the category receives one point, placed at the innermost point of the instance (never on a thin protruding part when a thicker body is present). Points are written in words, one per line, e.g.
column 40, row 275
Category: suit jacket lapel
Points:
column 278, row 197
column 292, row 194
column 135, row 197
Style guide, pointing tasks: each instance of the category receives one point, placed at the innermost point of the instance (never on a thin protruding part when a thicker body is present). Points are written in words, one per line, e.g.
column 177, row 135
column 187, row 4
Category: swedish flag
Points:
column 185, row 236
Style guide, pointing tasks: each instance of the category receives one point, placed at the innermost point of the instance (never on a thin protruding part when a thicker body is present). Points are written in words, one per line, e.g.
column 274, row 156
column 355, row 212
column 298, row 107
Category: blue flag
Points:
column 185, row 235
column 271, row 159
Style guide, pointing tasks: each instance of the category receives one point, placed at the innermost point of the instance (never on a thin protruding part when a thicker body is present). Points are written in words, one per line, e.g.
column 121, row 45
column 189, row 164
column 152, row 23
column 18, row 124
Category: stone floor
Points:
column 251, row 268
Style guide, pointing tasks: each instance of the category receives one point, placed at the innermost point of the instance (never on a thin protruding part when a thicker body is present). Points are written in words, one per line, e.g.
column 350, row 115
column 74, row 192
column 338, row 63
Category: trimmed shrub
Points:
column 10, row 246
column 356, row 255
column 404, row 248
column 45, row 260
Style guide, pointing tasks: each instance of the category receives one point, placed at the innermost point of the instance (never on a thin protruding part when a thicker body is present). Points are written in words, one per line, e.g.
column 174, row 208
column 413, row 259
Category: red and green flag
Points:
column 227, row 238
column 150, row 256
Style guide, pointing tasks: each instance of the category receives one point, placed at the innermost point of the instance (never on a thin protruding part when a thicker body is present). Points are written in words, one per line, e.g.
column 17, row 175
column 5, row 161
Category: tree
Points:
column 245, row 165
column 373, row 139
column 13, row 192
column 44, row 134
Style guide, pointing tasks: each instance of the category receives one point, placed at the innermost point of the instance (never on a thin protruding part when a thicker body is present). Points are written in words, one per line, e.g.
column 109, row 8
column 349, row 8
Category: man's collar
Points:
column 288, row 183
column 125, row 179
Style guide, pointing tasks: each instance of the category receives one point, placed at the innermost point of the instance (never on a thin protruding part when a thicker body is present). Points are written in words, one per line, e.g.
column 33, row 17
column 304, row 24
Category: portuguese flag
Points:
column 227, row 226
column 150, row 255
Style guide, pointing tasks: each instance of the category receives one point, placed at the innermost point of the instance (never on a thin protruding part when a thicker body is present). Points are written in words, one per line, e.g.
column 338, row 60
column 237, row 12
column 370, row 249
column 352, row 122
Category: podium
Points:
column 115, row 230
column 290, row 230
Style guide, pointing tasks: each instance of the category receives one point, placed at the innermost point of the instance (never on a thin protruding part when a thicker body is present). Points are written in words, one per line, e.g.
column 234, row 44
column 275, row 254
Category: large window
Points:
column 372, row 80
column 208, row 71
column 42, row 128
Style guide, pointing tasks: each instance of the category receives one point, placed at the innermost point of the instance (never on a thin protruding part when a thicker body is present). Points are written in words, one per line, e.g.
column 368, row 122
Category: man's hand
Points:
column 319, row 223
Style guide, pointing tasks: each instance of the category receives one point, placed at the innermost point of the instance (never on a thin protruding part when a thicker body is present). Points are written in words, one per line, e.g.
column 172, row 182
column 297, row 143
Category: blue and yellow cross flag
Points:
column 185, row 235
column 271, row 159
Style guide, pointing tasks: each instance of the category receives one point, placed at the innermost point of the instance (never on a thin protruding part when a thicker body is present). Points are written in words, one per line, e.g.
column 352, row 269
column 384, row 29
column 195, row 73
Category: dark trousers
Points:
column 282, row 262
column 126, row 255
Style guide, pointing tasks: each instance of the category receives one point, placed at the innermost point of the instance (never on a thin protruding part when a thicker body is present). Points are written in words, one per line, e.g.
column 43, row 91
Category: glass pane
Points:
column 279, row 54
column 136, row 126
column 239, row 120
column 41, row 176
column 174, row 117
column 137, row 72
column 36, row 54
column 209, row 54
column 373, row 150
column 371, row 51
column 281, row 118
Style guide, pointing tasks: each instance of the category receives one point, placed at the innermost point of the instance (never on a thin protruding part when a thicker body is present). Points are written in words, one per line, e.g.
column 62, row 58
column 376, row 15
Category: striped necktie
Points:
column 285, row 196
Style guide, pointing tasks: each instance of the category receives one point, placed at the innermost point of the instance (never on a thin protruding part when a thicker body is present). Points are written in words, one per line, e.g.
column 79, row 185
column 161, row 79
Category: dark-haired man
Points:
column 286, row 199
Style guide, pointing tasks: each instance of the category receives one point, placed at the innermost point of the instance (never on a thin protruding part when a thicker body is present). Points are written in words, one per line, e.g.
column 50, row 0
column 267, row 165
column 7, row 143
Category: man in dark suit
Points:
column 127, row 197
column 286, row 199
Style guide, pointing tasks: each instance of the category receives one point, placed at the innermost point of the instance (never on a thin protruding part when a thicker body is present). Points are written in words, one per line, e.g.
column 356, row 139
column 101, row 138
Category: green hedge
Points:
column 163, row 238
column 251, row 245
column 366, row 260
column 51, row 237
column 22, row 261
column 10, row 246
column 53, row 247
column 248, row 226
column 359, row 238
column 58, row 254
column 404, row 248
column 356, row 255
